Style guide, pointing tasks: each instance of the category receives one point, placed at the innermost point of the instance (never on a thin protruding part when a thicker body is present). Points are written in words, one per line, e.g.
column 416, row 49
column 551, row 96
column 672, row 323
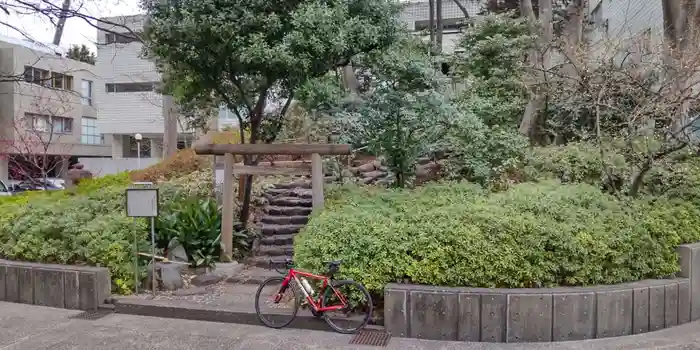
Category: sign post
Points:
column 142, row 202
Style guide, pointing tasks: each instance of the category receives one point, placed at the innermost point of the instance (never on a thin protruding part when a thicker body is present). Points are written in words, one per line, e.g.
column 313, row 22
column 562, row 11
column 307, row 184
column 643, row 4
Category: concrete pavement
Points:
column 28, row 327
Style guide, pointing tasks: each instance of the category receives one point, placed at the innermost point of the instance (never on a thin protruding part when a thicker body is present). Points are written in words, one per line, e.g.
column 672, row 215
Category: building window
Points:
column 121, row 38
column 61, row 81
column 86, row 92
column 131, row 87
column 36, row 76
column 47, row 123
column 90, row 135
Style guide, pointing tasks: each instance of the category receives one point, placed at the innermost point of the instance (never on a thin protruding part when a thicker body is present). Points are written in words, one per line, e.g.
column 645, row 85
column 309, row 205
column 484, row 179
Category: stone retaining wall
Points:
column 61, row 286
column 545, row 314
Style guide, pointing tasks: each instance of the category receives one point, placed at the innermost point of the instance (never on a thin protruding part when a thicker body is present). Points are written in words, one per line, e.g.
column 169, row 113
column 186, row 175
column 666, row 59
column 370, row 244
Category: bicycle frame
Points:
column 293, row 275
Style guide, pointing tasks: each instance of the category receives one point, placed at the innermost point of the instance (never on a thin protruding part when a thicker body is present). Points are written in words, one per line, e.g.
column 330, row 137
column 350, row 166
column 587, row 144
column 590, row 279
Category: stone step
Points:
column 293, row 185
column 271, row 230
column 253, row 275
column 266, row 261
column 291, row 202
column 285, row 220
column 287, row 211
column 276, row 250
column 277, row 240
column 289, row 192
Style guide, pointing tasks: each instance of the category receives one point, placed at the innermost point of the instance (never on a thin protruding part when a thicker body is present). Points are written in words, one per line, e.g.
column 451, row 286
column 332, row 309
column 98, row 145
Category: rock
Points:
column 190, row 291
column 176, row 252
column 206, row 280
column 424, row 160
column 366, row 167
column 169, row 276
column 377, row 164
column 374, row 175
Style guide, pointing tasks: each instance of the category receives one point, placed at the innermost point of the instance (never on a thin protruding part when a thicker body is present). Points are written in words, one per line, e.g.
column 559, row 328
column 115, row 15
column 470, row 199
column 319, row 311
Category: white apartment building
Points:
column 46, row 109
column 130, row 103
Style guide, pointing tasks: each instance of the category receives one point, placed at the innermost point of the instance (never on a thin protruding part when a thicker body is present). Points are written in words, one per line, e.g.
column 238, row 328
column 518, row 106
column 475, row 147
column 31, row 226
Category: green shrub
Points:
column 195, row 224
column 532, row 235
column 75, row 231
column 87, row 227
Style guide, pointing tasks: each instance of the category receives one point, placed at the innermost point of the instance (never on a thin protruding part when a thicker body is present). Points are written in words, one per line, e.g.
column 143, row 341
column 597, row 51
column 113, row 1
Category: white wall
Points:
column 107, row 166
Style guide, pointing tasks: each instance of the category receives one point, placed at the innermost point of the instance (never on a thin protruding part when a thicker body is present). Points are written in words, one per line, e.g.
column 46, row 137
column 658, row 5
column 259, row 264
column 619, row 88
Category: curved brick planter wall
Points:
column 546, row 314
column 61, row 286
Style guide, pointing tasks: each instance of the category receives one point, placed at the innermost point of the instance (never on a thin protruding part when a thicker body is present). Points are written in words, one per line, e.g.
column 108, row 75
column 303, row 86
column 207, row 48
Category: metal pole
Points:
column 153, row 255
column 136, row 260
column 138, row 155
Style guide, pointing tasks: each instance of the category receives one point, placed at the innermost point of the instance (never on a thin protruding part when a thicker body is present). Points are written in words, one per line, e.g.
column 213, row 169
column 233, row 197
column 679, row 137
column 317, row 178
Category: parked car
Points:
column 4, row 189
column 36, row 185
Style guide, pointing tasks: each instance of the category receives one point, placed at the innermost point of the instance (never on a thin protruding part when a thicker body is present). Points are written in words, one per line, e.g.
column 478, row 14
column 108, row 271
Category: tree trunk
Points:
column 170, row 127
column 431, row 23
column 439, row 26
column 350, row 79
column 528, row 121
column 463, row 9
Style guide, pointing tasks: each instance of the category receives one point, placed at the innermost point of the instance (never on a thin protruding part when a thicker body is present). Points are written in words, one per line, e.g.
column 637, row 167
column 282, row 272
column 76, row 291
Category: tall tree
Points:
column 254, row 54
column 81, row 53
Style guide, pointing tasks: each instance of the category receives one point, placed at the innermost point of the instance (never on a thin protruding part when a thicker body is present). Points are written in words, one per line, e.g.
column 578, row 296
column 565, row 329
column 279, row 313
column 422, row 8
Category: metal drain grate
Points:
column 92, row 315
column 371, row 338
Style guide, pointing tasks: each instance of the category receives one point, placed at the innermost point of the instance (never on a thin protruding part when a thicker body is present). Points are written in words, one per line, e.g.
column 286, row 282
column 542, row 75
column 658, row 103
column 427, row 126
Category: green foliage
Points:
column 249, row 50
column 85, row 226
column 195, row 224
column 75, row 230
column 532, row 235
column 81, row 53
column 94, row 184
column 489, row 68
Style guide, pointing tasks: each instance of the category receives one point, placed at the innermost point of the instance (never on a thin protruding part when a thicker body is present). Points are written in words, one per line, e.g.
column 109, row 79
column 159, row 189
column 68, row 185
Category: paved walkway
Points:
column 25, row 327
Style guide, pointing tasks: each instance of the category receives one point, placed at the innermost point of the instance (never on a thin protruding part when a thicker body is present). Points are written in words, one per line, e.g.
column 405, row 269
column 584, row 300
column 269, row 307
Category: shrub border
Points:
column 545, row 314
column 60, row 286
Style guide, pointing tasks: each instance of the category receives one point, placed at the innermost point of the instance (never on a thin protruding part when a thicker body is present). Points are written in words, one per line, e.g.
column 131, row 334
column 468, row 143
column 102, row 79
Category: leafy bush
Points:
column 182, row 163
column 532, row 235
column 75, row 230
column 195, row 224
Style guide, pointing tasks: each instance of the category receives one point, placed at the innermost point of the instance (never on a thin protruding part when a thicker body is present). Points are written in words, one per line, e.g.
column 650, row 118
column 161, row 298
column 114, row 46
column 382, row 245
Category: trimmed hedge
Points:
column 532, row 235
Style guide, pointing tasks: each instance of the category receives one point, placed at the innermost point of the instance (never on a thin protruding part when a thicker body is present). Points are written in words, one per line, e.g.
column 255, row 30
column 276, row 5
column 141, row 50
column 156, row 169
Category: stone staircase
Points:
column 287, row 211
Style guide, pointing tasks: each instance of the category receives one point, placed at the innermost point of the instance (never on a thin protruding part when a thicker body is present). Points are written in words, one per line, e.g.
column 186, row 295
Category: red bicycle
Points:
column 330, row 299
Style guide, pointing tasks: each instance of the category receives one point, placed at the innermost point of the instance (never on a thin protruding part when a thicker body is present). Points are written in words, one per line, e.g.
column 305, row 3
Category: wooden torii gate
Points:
column 206, row 146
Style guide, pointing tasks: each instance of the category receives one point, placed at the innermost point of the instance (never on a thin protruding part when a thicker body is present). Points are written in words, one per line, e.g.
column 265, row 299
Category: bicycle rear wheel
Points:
column 276, row 308
column 358, row 311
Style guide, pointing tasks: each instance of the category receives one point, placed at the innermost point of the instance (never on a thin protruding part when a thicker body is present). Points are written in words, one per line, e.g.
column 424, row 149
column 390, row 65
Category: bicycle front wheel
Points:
column 276, row 307
column 356, row 314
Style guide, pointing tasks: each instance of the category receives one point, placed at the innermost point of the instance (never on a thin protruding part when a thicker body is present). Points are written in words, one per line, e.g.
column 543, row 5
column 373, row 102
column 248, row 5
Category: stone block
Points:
column 657, row 305
column 26, row 284
column 614, row 313
column 87, row 284
column 469, row 327
column 49, row 287
column 396, row 311
column 12, row 284
column 434, row 315
column 71, row 290
column 2, row 282
column 671, row 305
column 529, row 318
column 493, row 317
column 640, row 299
column 104, row 284
column 573, row 316
column 684, row 298
column 689, row 257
